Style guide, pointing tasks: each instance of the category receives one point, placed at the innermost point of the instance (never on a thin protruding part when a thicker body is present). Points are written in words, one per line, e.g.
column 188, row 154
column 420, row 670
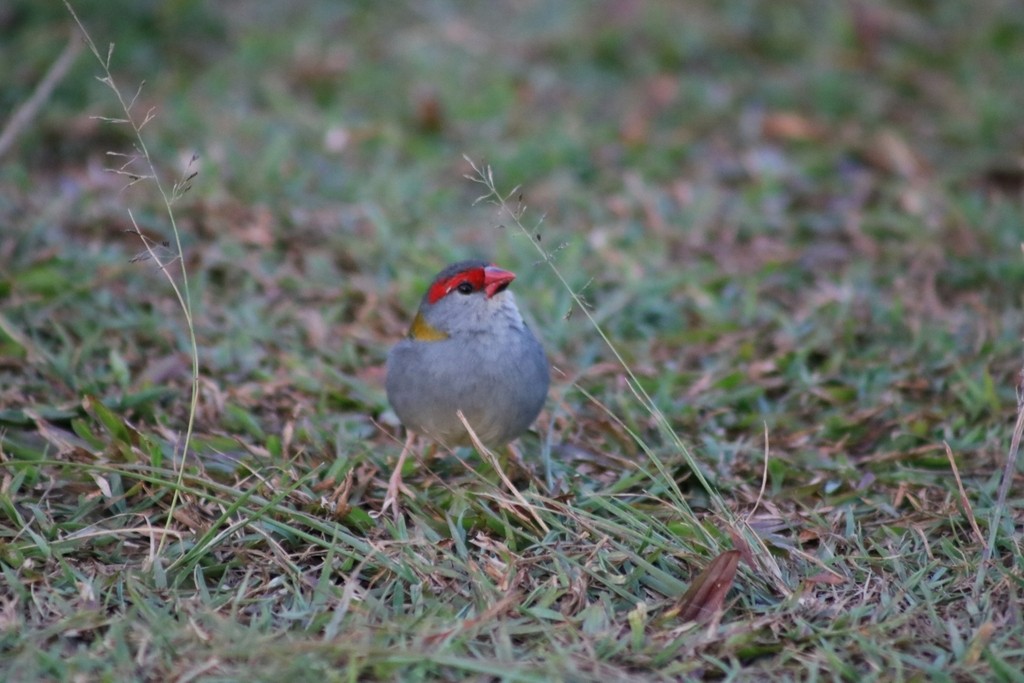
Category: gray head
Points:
column 468, row 297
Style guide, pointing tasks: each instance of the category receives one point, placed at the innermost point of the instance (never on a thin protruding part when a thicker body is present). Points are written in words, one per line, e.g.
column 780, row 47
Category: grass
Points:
column 765, row 244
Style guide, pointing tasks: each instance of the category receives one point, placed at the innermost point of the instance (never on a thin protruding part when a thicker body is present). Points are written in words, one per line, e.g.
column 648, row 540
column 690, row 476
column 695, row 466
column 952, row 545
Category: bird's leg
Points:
column 395, row 484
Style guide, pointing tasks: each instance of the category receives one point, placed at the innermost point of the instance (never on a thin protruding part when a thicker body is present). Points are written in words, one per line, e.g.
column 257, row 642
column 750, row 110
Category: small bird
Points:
column 468, row 349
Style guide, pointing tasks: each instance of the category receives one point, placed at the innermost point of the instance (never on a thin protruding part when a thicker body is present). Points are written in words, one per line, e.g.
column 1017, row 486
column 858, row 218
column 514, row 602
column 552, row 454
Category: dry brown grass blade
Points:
column 825, row 579
column 764, row 483
column 706, row 595
column 964, row 500
column 489, row 455
column 1004, row 486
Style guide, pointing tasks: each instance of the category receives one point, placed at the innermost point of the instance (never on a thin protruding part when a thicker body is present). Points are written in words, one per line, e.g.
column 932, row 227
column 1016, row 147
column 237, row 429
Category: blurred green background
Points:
column 798, row 216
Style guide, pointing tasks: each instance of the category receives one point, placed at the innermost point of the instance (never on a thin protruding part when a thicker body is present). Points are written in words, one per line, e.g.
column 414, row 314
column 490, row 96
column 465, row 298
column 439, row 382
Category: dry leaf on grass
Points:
column 706, row 594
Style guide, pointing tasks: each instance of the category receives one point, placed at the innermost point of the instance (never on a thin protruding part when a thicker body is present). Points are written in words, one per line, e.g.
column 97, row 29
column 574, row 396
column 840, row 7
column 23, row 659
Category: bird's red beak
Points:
column 496, row 280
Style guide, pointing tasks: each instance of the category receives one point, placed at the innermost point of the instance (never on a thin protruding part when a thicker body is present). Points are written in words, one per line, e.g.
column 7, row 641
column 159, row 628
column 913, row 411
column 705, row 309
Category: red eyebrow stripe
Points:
column 440, row 288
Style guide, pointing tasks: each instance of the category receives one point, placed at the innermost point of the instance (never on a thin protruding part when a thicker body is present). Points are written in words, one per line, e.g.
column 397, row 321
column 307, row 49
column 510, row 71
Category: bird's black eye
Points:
column 465, row 288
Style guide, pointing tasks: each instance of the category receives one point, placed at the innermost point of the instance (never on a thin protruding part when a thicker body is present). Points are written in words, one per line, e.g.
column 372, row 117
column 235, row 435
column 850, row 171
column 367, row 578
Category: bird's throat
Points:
column 421, row 330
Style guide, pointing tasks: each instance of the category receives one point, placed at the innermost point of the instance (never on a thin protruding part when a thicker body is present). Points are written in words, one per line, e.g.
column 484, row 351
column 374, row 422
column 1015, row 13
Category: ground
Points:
column 773, row 251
